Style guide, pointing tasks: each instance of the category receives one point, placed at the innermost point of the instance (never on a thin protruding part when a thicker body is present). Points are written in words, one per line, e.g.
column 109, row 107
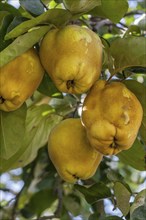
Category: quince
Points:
column 112, row 116
column 19, row 79
column 72, row 57
column 71, row 152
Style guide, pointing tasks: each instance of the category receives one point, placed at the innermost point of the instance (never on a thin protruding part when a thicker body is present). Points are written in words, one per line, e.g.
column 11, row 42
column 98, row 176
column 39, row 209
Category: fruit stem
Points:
column 109, row 79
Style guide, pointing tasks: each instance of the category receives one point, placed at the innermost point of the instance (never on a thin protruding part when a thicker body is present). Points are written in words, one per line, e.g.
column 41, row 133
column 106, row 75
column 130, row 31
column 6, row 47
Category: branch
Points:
column 59, row 191
column 8, row 190
column 46, row 217
column 16, row 204
column 30, row 175
column 138, row 12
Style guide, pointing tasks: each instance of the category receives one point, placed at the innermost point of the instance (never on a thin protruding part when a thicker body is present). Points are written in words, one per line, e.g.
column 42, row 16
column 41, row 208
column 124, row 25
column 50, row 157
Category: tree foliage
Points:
column 113, row 192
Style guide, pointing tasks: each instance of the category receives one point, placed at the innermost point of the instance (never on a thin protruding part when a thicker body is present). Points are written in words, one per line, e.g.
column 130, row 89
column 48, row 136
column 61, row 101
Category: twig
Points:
column 60, row 197
column 16, row 204
column 46, row 217
column 20, row 192
column 138, row 12
column 8, row 190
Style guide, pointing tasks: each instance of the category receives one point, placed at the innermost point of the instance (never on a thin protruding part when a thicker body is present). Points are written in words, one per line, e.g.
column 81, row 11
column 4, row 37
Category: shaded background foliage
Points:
column 30, row 187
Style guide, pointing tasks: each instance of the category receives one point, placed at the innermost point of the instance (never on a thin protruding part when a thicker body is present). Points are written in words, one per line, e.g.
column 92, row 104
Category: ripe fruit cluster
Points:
column 111, row 114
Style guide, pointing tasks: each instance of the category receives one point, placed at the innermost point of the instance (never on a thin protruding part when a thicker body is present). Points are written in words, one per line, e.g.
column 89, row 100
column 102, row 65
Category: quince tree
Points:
column 72, row 109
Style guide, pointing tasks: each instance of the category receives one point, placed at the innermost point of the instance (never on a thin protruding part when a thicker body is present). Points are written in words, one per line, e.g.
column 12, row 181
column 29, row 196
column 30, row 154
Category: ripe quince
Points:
column 72, row 56
column 19, row 79
column 70, row 151
column 112, row 116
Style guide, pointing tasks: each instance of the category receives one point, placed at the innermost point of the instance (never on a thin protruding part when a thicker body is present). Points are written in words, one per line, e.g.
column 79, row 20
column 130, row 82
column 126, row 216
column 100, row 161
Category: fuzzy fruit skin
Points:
column 72, row 56
column 19, row 79
column 70, row 151
column 112, row 116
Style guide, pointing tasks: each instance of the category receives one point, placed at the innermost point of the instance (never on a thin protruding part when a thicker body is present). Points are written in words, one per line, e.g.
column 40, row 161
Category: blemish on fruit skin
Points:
column 86, row 51
column 126, row 118
column 2, row 100
column 125, row 93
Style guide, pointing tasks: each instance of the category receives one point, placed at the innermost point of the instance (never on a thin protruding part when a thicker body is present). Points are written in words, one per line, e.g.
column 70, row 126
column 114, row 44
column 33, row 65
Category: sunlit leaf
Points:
column 79, row 6
column 22, row 44
column 112, row 9
column 39, row 122
column 128, row 52
column 16, row 21
column 12, row 127
column 49, row 17
column 122, row 197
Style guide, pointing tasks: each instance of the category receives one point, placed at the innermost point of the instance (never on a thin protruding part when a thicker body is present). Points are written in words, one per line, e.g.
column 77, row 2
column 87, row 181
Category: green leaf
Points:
column 114, row 176
column 48, row 88
column 133, row 30
column 39, row 122
column 138, row 201
column 38, row 203
column 142, row 22
column 94, row 216
column 6, row 165
column 139, row 213
column 49, row 17
column 112, row 9
column 140, row 91
column 2, row 15
column 134, row 156
column 72, row 204
column 111, row 218
column 3, row 29
column 122, row 195
column 34, row 7
column 16, row 21
column 9, row 8
column 64, row 106
column 22, row 44
column 79, row 6
column 95, row 192
column 12, row 127
column 128, row 52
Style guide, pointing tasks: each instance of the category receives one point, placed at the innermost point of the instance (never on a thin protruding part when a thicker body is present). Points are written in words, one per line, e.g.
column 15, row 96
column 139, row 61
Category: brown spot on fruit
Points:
column 2, row 100
column 70, row 84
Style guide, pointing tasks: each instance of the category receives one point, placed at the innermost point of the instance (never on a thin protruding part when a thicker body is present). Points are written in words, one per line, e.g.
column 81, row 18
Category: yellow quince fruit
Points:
column 112, row 116
column 70, row 151
column 72, row 56
column 19, row 79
